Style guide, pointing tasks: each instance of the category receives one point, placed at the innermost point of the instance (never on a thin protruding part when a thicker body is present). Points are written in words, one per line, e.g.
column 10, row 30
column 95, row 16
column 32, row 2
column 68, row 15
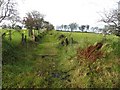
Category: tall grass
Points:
column 28, row 66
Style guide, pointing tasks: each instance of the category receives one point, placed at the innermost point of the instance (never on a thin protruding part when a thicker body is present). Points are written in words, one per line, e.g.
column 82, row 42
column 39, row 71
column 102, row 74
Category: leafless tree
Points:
column 14, row 20
column 73, row 26
column 33, row 20
column 7, row 9
column 83, row 28
column 111, row 18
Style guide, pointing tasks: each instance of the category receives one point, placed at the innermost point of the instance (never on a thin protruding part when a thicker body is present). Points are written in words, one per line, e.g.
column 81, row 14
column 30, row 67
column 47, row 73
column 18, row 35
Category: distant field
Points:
column 47, row 64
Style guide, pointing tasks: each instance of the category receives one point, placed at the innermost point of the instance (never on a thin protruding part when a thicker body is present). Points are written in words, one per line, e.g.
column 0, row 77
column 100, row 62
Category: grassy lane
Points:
column 34, row 66
column 48, row 64
column 47, row 61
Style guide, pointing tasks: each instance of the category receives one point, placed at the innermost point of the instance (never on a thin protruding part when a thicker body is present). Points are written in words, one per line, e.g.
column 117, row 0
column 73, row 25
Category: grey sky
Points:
column 66, row 11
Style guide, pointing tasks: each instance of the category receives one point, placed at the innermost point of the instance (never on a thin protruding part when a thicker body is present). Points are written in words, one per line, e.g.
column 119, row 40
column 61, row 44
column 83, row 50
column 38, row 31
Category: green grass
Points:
column 28, row 66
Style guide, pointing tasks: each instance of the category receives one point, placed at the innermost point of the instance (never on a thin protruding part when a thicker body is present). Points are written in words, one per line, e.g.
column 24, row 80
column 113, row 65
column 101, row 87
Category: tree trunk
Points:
column 33, row 35
column 22, row 39
column 30, row 33
column 25, row 39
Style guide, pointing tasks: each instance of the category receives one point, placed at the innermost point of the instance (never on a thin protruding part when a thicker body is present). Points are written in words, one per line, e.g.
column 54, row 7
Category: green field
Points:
column 48, row 64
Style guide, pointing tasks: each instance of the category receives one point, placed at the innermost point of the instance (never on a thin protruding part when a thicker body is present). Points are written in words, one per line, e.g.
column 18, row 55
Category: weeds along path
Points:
column 49, row 65
column 59, row 68
column 47, row 46
column 46, row 63
column 54, row 63
column 34, row 66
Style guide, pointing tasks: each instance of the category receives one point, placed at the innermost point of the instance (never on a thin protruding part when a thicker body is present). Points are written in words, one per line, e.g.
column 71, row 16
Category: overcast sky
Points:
column 67, row 11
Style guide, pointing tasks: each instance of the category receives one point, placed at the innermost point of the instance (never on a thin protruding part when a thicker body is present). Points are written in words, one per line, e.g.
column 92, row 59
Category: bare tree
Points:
column 62, row 27
column 87, row 26
column 33, row 20
column 111, row 18
column 79, row 28
column 83, row 28
column 73, row 26
column 65, row 27
column 7, row 9
column 14, row 20
column 94, row 29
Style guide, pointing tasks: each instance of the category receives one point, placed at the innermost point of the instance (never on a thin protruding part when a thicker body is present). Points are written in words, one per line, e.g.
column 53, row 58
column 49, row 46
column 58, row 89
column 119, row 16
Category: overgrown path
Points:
column 47, row 61
column 49, row 64
column 35, row 66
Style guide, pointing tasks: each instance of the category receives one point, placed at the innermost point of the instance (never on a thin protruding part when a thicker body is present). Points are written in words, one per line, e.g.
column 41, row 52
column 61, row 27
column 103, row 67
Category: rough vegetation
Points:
column 47, row 64
column 91, row 53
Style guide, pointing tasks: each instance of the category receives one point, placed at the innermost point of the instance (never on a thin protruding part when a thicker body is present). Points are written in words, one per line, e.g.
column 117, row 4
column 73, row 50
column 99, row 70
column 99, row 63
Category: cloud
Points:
column 67, row 11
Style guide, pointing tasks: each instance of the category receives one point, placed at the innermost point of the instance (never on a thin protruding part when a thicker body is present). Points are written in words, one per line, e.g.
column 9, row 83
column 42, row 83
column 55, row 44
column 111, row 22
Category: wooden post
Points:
column 25, row 39
column 66, row 40
column 3, row 35
column 22, row 39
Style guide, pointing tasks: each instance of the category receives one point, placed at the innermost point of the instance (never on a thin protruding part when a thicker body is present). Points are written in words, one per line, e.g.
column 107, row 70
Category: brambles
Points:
column 91, row 53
